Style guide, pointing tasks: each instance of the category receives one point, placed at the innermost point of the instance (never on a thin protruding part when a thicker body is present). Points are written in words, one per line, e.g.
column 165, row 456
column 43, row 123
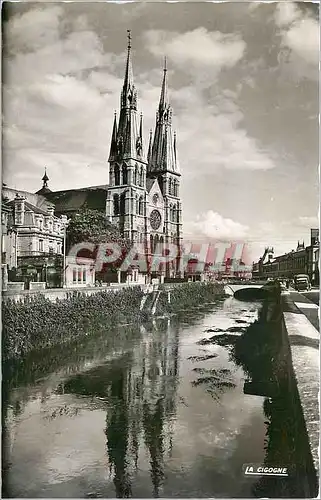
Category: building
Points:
column 80, row 272
column 302, row 260
column 36, row 249
column 143, row 195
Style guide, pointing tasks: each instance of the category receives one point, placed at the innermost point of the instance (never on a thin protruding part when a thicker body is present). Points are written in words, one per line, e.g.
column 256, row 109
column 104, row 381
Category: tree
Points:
column 91, row 226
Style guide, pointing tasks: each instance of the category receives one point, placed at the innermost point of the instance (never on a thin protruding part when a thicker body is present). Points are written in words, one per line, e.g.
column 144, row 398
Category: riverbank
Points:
column 265, row 354
column 140, row 398
column 38, row 323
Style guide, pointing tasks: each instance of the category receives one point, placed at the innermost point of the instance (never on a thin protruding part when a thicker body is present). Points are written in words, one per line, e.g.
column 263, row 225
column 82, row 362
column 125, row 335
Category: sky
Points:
column 243, row 84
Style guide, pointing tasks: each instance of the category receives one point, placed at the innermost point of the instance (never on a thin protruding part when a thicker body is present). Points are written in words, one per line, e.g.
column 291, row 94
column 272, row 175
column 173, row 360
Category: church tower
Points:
column 126, row 197
column 163, row 165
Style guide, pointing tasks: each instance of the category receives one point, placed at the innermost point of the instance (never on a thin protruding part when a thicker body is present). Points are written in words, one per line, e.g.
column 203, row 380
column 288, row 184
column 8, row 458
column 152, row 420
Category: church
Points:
column 143, row 195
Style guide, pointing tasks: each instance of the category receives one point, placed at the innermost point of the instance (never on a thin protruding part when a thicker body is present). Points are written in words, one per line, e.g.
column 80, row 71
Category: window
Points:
column 79, row 275
column 41, row 224
column 117, row 175
column 135, row 175
column 84, row 277
column 141, row 206
column 74, row 275
column 122, row 204
column 40, row 245
column 125, row 175
column 116, row 204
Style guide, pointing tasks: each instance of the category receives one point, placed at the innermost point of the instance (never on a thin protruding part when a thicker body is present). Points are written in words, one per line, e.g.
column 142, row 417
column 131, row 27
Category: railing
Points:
column 37, row 253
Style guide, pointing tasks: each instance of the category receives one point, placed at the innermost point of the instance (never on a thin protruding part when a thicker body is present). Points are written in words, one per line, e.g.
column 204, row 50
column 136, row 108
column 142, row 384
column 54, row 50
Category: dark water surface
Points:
column 160, row 415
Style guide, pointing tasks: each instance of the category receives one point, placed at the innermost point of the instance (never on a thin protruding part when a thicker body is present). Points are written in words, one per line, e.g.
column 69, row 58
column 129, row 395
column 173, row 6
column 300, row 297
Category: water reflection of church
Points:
column 140, row 392
column 142, row 409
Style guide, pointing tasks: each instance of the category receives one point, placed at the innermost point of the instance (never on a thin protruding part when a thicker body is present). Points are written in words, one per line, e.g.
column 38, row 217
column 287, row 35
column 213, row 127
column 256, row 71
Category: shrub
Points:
column 38, row 323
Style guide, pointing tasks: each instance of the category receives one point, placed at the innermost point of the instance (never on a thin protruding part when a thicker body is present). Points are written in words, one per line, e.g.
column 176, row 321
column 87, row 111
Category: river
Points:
column 157, row 413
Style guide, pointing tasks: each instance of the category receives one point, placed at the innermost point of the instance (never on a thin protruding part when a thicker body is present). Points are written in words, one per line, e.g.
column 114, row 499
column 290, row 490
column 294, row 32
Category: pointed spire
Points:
column 163, row 97
column 129, row 79
column 141, row 126
column 114, row 135
column 163, row 156
column 149, row 154
column 128, row 96
column 44, row 188
column 113, row 145
column 45, row 179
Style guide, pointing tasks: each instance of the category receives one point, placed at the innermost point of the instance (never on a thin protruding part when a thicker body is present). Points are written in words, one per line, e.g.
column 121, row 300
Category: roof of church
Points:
column 72, row 200
column 43, row 190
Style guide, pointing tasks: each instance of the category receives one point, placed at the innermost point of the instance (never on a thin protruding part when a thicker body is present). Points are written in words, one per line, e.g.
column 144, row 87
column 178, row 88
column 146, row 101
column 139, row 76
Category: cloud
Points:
column 57, row 113
column 208, row 120
column 213, row 225
column 198, row 47
column 62, row 87
column 300, row 39
column 308, row 221
column 286, row 13
column 303, row 39
column 33, row 30
column 211, row 137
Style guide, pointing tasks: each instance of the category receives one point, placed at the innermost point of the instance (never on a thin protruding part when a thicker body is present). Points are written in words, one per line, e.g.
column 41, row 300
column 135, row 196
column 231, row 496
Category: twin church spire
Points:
column 127, row 135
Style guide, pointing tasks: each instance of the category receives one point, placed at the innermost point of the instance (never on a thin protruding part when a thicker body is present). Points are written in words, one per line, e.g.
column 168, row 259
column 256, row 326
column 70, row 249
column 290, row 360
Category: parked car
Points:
column 302, row 282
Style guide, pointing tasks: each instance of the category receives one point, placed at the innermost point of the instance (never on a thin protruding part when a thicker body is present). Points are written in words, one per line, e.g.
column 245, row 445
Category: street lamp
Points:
column 64, row 260
column 65, row 224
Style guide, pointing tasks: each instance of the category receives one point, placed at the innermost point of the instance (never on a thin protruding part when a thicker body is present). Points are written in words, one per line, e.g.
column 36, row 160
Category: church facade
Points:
column 143, row 195
column 143, row 198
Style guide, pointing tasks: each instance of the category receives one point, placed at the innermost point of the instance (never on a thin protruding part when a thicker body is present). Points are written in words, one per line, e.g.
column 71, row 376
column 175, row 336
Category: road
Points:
column 307, row 303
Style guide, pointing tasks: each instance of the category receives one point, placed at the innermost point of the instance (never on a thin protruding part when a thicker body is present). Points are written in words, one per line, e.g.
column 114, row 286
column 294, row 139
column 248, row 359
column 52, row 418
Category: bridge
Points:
column 230, row 289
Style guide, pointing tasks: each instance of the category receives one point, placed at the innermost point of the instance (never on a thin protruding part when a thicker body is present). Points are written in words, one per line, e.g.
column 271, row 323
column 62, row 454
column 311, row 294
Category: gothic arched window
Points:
column 125, row 174
column 171, row 213
column 141, row 206
column 161, row 242
column 175, row 187
column 135, row 175
column 117, row 175
column 156, row 240
column 170, row 186
column 140, row 177
column 116, row 204
column 174, row 214
column 122, row 204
